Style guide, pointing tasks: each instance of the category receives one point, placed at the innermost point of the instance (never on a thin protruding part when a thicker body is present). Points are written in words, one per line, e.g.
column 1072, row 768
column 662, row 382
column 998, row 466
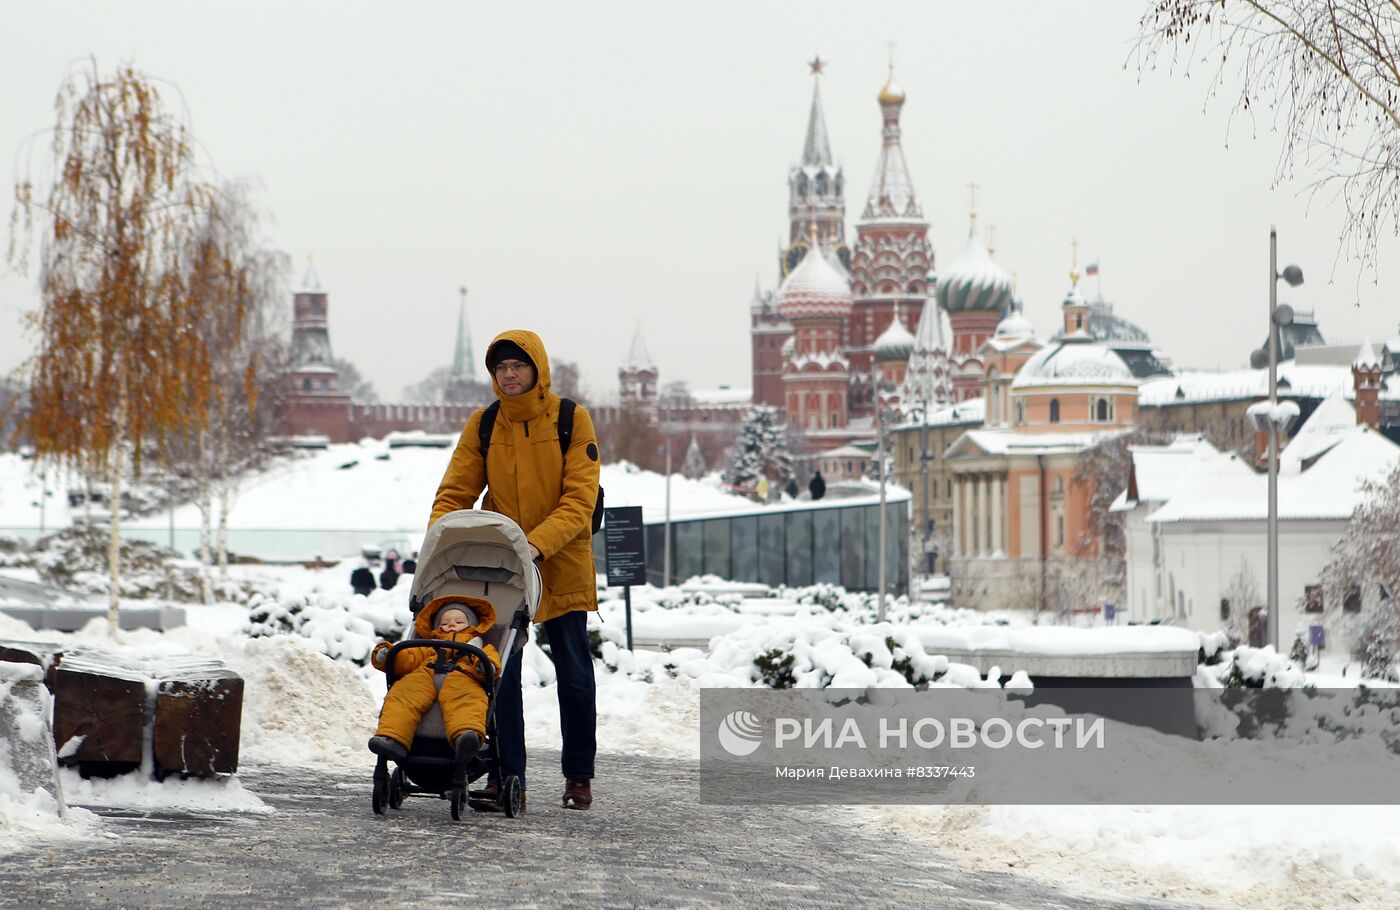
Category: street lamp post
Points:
column 666, row 539
column 883, row 394
column 1274, row 421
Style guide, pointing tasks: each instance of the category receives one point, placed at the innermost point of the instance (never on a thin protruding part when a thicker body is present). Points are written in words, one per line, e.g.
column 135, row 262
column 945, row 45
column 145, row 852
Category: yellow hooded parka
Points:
column 527, row 479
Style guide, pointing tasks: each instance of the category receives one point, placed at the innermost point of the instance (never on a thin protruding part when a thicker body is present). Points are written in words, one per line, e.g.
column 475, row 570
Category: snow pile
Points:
column 1247, row 857
column 132, row 791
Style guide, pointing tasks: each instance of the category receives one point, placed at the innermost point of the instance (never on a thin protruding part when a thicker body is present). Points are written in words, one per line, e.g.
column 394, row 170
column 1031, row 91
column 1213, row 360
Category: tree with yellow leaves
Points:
column 120, row 359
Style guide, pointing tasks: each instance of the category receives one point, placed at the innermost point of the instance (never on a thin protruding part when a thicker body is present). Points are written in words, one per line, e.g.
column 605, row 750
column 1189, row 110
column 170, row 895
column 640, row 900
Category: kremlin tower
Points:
column 816, row 300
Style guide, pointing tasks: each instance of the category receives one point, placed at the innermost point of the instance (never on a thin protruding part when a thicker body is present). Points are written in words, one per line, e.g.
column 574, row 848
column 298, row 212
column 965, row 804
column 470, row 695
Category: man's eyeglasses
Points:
column 511, row 366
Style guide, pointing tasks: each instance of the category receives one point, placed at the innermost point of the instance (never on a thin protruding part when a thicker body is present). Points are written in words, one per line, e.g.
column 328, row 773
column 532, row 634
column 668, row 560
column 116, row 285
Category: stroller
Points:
column 477, row 554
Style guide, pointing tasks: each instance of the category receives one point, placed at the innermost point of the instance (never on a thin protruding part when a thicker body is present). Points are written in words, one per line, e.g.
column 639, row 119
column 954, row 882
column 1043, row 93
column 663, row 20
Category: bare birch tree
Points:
column 239, row 284
column 114, row 354
column 1325, row 72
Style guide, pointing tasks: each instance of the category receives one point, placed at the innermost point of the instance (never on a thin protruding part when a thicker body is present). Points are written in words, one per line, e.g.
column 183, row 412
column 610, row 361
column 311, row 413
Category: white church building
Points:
column 1196, row 521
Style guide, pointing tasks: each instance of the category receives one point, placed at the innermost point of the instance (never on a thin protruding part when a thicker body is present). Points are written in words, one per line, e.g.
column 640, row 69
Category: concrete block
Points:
column 72, row 618
column 27, row 758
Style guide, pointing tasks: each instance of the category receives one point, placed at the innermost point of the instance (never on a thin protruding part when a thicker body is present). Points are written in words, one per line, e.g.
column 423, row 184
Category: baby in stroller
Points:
column 462, row 697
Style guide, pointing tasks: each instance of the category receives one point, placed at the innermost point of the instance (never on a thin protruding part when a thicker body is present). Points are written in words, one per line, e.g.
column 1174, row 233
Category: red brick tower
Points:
column 816, row 207
column 892, row 259
column 1366, row 376
column 816, row 377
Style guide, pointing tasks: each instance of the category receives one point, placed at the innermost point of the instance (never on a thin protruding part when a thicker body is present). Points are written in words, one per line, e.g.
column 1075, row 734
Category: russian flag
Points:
column 1091, row 269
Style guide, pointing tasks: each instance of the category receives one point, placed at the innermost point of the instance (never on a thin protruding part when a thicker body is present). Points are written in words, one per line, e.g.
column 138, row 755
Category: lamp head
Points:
column 1283, row 314
column 1293, row 275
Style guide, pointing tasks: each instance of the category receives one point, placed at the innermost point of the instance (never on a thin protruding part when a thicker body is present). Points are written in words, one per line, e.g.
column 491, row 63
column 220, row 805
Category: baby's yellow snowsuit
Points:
column 462, row 697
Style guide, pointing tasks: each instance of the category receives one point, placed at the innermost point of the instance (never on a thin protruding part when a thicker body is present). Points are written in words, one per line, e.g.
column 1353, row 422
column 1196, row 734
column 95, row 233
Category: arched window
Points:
column 1101, row 410
column 821, row 184
column 1054, row 410
column 802, row 185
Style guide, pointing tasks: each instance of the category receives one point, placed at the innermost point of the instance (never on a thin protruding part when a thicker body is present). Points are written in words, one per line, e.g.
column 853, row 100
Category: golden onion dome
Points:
column 891, row 93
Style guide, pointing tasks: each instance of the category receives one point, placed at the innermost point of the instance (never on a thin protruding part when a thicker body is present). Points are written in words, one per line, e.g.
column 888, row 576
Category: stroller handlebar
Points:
column 487, row 667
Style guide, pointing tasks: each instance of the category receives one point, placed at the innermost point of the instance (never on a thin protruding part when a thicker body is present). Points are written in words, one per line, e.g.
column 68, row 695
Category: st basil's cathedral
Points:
column 850, row 322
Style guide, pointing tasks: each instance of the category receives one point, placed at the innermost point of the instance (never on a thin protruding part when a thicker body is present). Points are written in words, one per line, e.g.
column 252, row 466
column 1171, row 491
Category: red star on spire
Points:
column 816, row 63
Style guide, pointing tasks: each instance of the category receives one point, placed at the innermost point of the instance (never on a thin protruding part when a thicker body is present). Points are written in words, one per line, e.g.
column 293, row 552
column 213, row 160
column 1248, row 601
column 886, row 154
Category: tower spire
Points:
column 892, row 191
column 463, row 364
column 816, row 151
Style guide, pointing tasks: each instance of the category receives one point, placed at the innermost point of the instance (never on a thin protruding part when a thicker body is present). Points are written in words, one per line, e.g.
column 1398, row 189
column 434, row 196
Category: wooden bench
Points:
column 104, row 702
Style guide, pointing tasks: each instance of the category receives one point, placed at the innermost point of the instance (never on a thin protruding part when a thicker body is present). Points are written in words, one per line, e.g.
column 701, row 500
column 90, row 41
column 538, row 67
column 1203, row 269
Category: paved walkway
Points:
column 647, row 843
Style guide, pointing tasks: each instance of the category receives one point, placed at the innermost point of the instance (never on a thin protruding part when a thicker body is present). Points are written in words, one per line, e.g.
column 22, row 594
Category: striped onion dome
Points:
column 974, row 283
column 895, row 343
column 813, row 290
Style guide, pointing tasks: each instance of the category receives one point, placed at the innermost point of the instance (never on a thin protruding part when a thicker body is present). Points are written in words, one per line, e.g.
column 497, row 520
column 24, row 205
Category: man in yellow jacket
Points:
column 551, row 495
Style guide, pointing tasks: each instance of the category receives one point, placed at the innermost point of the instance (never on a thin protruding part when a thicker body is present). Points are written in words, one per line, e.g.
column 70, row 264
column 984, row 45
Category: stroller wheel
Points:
column 396, row 789
column 459, row 798
column 381, row 795
column 510, row 796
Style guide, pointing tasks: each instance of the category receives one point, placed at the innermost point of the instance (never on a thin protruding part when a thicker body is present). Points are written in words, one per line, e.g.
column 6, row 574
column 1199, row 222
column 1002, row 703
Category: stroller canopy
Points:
column 479, row 554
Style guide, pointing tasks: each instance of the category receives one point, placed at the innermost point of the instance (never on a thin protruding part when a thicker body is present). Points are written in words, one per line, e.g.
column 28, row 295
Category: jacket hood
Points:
column 531, row 403
column 425, row 623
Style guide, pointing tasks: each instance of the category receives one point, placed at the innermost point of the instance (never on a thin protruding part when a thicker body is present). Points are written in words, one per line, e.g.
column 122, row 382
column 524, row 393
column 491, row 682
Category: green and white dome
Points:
column 974, row 283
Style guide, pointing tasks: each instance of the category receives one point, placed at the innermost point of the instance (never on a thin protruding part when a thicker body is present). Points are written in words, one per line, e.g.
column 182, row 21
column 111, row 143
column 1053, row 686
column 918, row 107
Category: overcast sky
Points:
column 580, row 166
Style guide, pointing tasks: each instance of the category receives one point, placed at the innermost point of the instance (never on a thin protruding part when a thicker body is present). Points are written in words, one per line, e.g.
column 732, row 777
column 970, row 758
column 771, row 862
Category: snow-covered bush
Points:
column 1258, row 668
column 340, row 627
column 76, row 558
column 1213, row 647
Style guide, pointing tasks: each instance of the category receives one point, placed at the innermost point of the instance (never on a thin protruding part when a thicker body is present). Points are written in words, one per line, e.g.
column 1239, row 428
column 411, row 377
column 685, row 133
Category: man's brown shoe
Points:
column 578, row 794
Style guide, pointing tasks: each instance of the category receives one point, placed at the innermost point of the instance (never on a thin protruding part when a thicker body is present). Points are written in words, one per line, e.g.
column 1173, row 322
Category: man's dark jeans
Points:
column 573, row 666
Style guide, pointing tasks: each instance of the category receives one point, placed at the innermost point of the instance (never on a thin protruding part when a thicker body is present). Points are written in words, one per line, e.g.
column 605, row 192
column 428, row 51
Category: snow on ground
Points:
column 307, row 702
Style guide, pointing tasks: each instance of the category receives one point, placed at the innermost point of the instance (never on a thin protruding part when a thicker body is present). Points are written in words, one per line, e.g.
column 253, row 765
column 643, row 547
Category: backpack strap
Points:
column 488, row 423
column 566, row 425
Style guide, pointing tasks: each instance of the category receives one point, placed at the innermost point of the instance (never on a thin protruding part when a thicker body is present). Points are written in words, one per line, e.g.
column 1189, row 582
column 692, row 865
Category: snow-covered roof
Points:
column 1226, row 489
column 972, row 411
column 1158, row 470
column 1333, row 419
column 1075, row 361
column 1366, row 356
column 1296, row 381
column 722, row 395
column 846, row 451
column 1011, row 442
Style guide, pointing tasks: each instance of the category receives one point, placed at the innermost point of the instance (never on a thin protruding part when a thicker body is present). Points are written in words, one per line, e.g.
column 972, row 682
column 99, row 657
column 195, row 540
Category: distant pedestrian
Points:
column 410, row 565
column 792, row 488
column 817, row 487
column 362, row 579
column 762, row 489
column 390, row 576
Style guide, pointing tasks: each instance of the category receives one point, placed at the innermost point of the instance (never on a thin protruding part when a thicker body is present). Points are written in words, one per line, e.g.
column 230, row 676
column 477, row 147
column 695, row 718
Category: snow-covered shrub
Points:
column 775, row 669
column 1258, row 668
column 76, row 558
column 342, row 628
column 268, row 616
column 1213, row 647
